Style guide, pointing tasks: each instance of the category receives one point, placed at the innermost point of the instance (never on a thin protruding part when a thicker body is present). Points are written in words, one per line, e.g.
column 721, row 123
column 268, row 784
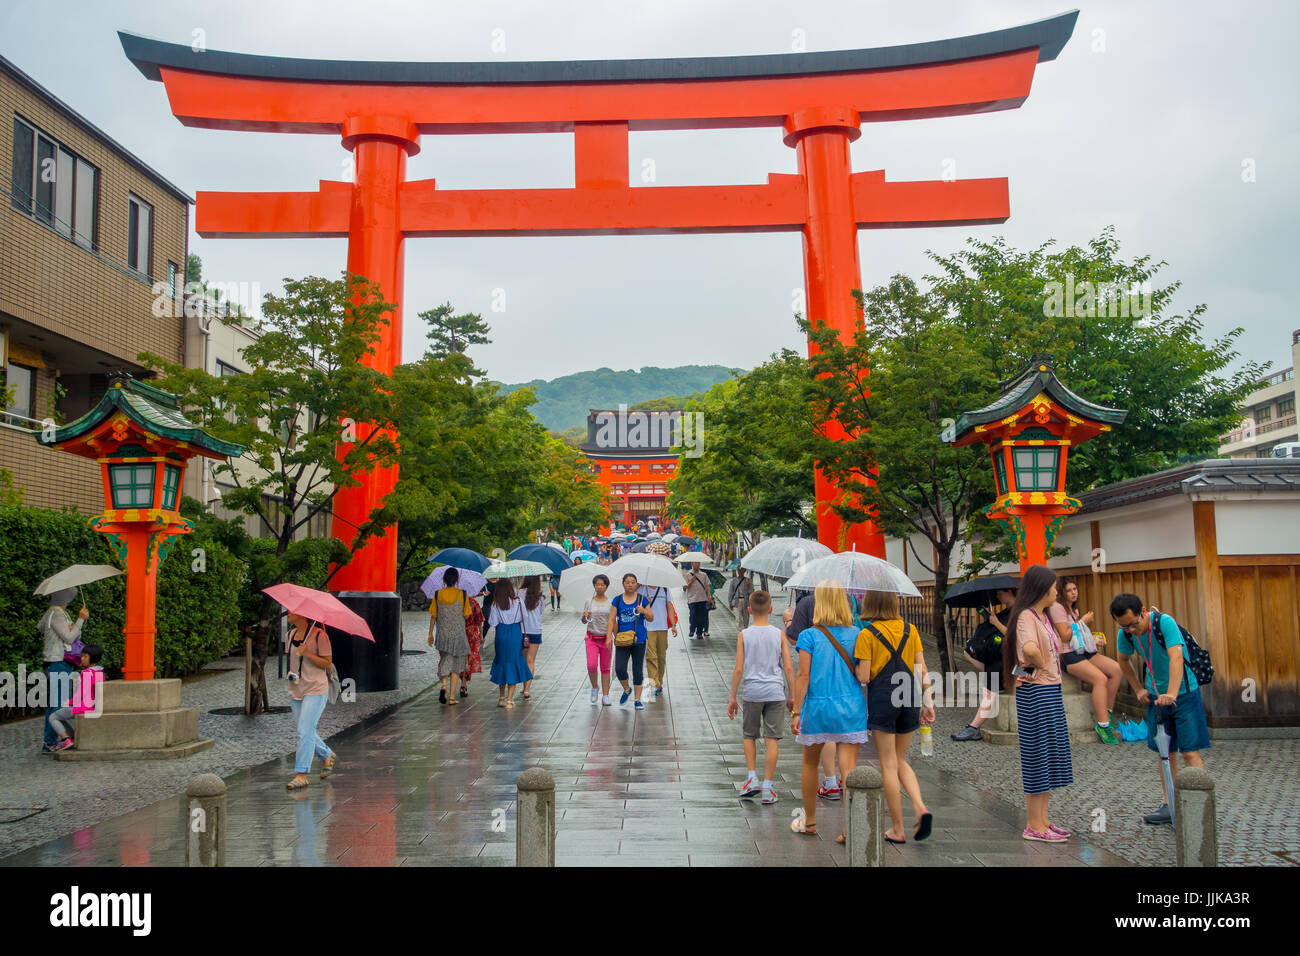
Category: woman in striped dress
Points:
column 1033, row 661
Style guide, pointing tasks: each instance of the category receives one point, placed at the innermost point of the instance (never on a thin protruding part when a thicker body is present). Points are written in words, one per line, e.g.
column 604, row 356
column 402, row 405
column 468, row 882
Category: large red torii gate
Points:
column 381, row 110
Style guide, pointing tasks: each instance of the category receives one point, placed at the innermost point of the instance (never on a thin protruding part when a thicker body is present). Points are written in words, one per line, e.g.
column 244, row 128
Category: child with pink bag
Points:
column 83, row 697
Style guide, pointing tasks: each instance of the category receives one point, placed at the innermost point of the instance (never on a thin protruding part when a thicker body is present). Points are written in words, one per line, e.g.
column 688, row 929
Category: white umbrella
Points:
column 557, row 546
column 782, row 557
column 576, row 586
column 471, row 582
column 652, row 569
column 654, row 535
column 695, row 557
column 76, row 576
column 856, row 572
column 516, row 569
column 670, row 537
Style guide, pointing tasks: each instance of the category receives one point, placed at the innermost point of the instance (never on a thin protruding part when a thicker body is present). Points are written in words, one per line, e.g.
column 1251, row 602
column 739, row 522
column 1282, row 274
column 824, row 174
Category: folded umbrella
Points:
column 856, row 572
column 471, row 582
column 555, row 561
column 320, row 607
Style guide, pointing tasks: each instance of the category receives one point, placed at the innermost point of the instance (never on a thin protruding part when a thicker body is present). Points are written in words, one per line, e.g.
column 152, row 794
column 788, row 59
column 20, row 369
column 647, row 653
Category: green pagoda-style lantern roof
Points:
column 1035, row 379
column 150, row 408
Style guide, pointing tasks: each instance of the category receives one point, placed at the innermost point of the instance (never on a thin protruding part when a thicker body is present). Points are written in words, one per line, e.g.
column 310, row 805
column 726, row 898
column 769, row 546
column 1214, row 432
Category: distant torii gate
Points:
column 381, row 109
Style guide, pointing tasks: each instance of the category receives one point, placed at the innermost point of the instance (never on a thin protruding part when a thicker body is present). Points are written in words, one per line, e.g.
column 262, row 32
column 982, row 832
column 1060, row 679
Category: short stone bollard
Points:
column 864, row 816
column 535, row 823
column 1195, row 837
column 205, row 821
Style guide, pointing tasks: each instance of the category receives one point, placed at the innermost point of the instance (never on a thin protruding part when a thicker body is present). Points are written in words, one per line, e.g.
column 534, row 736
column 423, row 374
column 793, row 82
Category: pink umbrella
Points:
column 320, row 607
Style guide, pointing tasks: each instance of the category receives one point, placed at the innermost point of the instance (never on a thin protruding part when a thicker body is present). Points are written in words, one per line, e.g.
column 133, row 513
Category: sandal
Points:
column 453, row 703
column 798, row 825
column 527, row 696
column 442, row 696
column 327, row 767
column 297, row 784
column 923, row 827
column 840, row 839
column 501, row 701
column 889, row 839
column 510, row 704
column 464, row 691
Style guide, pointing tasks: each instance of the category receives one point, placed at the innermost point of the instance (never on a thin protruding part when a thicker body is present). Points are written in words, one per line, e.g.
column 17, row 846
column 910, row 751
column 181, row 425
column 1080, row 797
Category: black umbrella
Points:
column 640, row 547
column 979, row 592
column 553, row 558
column 687, row 543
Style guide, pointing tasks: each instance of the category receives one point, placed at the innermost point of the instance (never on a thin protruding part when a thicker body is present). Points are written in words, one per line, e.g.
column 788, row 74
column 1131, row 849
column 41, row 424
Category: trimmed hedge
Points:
column 198, row 607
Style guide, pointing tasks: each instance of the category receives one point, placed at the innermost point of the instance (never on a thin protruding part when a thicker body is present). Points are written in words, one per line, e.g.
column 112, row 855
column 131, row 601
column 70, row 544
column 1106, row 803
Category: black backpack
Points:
column 1197, row 657
column 985, row 645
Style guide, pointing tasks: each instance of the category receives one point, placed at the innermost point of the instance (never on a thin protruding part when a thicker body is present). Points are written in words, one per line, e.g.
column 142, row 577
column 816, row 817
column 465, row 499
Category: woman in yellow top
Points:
column 891, row 664
column 449, row 610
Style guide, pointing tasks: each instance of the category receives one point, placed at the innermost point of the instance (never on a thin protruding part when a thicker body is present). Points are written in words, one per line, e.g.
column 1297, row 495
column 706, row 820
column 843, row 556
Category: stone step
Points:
column 137, row 730
column 1009, row 738
column 174, row 752
column 141, row 696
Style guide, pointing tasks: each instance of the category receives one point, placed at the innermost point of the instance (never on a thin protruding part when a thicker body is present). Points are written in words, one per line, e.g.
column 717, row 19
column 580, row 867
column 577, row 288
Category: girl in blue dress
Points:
column 828, row 702
column 509, row 665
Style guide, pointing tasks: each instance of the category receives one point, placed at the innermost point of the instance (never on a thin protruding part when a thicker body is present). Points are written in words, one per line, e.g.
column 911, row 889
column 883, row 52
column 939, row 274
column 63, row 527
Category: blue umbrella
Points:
column 464, row 558
column 584, row 555
column 554, row 559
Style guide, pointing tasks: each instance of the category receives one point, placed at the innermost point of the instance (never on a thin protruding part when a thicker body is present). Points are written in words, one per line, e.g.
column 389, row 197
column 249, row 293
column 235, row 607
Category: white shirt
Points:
column 533, row 618
column 512, row 614
column 658, row 598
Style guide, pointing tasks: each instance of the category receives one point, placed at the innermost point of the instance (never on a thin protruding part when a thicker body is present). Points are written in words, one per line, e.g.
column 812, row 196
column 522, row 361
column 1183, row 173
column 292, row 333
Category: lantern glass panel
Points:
column 1036, row 468
column 132, row 485
column 171, row 482
column 1000, row 470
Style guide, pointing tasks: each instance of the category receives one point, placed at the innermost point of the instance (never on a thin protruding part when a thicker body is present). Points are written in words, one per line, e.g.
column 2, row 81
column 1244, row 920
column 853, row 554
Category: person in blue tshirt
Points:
column 1167, row 681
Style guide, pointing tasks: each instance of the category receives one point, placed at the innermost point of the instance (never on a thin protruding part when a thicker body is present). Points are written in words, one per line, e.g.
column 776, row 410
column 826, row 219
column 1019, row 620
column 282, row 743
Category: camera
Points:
column 292, row 675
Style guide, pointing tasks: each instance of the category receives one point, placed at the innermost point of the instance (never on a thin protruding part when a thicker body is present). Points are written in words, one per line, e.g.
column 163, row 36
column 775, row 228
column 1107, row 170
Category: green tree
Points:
column 754, row 472
column 306, row 393
column 925, row 356
column 452, row 334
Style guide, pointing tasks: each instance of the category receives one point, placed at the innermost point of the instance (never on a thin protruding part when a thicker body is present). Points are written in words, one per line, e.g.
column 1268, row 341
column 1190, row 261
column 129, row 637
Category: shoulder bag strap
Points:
column 843, row 653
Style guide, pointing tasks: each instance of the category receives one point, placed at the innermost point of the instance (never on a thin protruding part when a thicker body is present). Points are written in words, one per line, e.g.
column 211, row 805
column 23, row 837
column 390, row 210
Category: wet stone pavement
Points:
column 435, row 785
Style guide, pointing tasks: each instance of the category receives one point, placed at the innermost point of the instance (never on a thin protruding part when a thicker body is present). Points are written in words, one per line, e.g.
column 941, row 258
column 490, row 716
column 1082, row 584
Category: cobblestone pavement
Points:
column 431, row 784
column 42, row 798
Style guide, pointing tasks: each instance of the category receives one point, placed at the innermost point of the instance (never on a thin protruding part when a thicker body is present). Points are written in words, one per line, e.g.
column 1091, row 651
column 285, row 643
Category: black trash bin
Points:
column 374, row 666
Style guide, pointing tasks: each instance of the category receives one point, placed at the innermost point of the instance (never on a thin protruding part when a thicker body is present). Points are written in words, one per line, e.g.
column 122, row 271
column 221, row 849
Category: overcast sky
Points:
column 1143, row 122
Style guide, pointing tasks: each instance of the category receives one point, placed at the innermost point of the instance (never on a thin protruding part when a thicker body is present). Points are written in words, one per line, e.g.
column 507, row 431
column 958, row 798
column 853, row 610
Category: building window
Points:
column 1264, row 414
column 173, row 277
column 1035, row 468
column 139, row 236
column 21, row 381
column 54, row 184
column 1286, row 406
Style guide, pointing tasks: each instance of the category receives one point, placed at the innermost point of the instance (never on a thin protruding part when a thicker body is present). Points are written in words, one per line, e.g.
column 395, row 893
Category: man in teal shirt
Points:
column 1168, row 682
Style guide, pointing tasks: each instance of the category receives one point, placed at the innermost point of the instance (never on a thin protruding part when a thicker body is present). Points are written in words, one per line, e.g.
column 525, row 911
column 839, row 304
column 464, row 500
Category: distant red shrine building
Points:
column 631, row 454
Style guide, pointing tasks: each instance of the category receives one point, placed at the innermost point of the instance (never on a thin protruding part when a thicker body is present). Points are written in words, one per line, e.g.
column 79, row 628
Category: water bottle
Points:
column 927, row 741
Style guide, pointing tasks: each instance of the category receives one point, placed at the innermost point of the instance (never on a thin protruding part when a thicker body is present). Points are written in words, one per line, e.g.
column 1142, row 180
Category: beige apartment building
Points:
column 1268, row 414
column 86, row 230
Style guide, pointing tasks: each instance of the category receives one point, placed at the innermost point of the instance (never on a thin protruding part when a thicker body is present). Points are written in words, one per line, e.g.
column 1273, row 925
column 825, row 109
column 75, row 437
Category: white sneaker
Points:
column 594, row 694
column 606, row 701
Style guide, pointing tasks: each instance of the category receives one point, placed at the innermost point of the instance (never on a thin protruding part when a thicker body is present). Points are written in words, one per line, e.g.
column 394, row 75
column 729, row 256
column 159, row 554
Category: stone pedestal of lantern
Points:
column 141, row 720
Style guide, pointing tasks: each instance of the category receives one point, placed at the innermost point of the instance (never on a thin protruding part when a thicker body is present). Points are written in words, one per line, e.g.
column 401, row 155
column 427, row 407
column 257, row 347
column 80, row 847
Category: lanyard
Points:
column 1051, row 633
column 1151, row 671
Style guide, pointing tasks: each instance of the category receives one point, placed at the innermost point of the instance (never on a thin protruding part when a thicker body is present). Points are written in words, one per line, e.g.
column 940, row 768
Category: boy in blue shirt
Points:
column 1168, row 681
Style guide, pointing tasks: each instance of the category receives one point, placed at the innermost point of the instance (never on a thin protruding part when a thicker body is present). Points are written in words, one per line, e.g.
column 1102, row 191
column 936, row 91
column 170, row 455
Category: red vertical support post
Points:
column 821, row 138
column 368, row 583
column 380, row 146
column 139, row 629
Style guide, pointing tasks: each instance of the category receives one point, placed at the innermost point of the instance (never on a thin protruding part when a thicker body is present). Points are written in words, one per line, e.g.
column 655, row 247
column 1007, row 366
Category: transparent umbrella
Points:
column 782, row 557
column 857, row 573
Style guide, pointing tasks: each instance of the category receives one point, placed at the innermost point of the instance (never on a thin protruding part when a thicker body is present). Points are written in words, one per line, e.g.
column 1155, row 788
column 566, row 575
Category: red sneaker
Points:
column 830, row 793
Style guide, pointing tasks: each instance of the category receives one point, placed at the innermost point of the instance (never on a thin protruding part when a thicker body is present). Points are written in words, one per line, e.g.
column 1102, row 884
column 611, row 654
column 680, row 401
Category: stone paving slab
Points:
column 435, row 785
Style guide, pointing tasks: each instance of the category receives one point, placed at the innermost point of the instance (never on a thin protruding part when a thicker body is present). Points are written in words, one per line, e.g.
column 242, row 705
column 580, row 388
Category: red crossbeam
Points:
column 779, row 206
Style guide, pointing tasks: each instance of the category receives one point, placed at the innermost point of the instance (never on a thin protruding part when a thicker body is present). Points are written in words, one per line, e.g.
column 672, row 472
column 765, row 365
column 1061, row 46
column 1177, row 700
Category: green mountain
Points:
column 562, row 403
